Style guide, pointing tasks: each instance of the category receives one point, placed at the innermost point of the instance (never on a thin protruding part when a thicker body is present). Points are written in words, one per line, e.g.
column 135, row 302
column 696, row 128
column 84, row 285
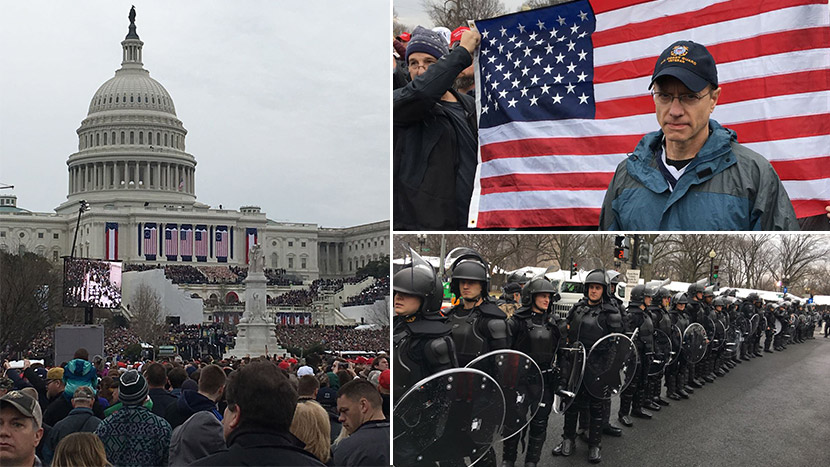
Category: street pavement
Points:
column 770, row 411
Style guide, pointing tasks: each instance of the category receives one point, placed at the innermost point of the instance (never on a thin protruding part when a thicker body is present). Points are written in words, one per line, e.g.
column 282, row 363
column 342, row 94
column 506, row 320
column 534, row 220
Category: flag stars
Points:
column 548, row 49
column 516, row 83
column 521, row 28
column 571, row 68
column 512, row 38
column 495, row 84
column 532, row 36
column 571, row 45
column 582, row 34
column 560, row 58
column 583, row 99
column 518, row 44
column 553, row 33
column 517, row 63
column 534, row 80
column 484, row 109
column 525, row 70
column 493, row 41
column 570, row 88
column 557, row 99
column 485, row 33
column 491, row 59
column 527, row 51
column 583, row 16
column 509, row 56
column 502, row 94
column 581, row 76
column 501, row 48
column 548, row 69
column 582, row 54
column 533, row 100
column 499, row 66
column 561, row 20
column 507, row 75
column 574, row 29
column 503, row 31
column 524, row 92
column 512, row 102
column 558, row 78
column 545, row 88
column 537, row 60
column 540, row 24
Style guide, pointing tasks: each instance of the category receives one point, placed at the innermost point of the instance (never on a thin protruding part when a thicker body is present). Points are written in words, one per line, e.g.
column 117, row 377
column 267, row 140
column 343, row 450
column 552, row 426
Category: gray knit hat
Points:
column 132, row 388
column 426, row 41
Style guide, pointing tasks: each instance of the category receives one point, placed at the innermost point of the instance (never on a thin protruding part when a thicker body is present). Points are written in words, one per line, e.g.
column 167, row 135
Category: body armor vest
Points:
column 541, row 340
column 641, row 320
column 409, row 360
column 469, row 343
column 586, row 325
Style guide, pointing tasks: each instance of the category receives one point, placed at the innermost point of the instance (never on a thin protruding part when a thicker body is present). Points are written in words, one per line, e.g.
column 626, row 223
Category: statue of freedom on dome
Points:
column 132, row 14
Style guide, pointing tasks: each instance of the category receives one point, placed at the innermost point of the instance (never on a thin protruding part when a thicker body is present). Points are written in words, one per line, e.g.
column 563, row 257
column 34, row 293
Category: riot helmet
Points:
column 596, row 276
column 719, row 301
column 613, row 279
column 538, row 284
column 662, row 293
column 419, row 279
column 519, row 278
column 679, row 299
column 638, row 294
column 469, row 265
column 753, row 297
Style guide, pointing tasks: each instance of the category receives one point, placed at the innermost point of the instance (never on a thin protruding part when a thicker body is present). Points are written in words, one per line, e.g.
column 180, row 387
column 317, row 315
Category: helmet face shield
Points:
column 419, row 279
column 467, row 264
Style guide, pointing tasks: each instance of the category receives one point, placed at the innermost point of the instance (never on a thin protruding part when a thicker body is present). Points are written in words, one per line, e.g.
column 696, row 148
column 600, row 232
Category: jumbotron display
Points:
column 91, row 283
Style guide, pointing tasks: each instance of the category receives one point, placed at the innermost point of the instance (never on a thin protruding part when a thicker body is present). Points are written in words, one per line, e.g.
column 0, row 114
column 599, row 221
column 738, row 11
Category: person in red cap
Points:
column 465, row 82
column 383, row 388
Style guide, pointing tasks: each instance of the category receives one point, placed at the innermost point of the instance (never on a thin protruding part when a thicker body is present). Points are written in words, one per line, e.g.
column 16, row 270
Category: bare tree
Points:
column 745, row 259
column 397, row 26
column 532, row 4
column 148, row 316
column 378, row 312
column 796, row 254
column 454, row 13
column 30, row 299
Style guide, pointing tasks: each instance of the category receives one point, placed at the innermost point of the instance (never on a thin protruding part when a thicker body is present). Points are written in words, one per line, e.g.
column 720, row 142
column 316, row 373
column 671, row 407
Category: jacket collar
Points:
column 251, row 436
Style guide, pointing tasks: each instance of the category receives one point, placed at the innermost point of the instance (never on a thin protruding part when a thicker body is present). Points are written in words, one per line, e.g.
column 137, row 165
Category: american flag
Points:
column 186, row 242
column 111, row 240
column 563, row 97
column 201, row 242
column 221, row 242
column 171, row 243
column 150, row 240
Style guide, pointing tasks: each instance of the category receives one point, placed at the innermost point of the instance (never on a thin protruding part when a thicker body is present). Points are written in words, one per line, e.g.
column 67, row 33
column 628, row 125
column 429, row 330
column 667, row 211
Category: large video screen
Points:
column 91, row 282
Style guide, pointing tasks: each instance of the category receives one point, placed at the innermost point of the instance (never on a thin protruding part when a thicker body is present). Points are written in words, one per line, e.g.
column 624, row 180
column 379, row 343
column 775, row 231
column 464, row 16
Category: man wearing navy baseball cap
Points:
column 692, row 174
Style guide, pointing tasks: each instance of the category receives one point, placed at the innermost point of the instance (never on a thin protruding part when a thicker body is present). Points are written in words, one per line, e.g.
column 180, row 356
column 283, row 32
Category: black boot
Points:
column 612, row 430
column 639, row 413
column 565, row 448
column 534, row 450
column 625, row 420
column 594, row 456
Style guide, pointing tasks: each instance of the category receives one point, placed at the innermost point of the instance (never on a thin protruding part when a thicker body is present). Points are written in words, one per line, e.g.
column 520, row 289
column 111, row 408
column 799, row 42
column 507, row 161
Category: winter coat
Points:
column 199, row 436
column 725, row 187
column 189, row 403
column 261, row 446
column 366, row 446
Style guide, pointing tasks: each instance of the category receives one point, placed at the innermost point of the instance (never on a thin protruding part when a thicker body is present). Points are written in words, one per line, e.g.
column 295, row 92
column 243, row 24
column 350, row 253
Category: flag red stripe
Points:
column 605, row 6
column 782, row 128
column 737, row 91
column 546, row 181
column 536, row 218
column 803, row 169
column 615, row 144
column 809, row 207
column 717, row 13
column 768, row 44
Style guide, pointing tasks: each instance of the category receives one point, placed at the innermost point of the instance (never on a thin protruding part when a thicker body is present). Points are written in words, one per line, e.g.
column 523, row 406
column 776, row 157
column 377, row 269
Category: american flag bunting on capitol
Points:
column 171, row 243
column 222, row 243
column 150, row 241
column 563, row 98
column 186, row 242
column 111, row 241
column 201, row 242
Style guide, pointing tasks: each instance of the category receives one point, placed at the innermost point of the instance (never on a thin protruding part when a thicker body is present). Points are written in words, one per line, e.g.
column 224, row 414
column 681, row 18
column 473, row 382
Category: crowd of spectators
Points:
column 299, row 298
column 376, row 291
column 184, row 274
column 335, row 338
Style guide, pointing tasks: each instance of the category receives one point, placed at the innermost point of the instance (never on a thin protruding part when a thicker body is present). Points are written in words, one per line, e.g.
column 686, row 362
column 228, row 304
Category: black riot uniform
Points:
column 638, row 326
column 422, row 341
column 662, row 322
column 696, row 314
column 769, row 332
column 588, row 321
column 676, row 373
column 536, row 332
column 722, row 318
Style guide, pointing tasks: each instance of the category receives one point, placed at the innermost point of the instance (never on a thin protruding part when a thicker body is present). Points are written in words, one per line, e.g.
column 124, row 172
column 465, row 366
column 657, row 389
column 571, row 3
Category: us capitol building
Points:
column 133, row 170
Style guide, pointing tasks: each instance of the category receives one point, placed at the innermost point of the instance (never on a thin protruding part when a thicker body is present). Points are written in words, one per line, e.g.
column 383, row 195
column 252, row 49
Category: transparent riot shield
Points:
column 720, row 335
column 709, row 326
column 610, row 366
column 778, row 327
column 754, row 321
column 676, row 337
column 521, row 382
column 695, row 342
column 570, row 363
column 662, row 353
column 732, row 341
column 453, row 417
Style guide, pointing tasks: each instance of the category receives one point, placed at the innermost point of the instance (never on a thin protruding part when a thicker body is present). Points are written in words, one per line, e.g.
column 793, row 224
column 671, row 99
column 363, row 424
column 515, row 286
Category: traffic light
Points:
column 621, row 248
column 645, row 253
column 715, row 272
column 573, row 269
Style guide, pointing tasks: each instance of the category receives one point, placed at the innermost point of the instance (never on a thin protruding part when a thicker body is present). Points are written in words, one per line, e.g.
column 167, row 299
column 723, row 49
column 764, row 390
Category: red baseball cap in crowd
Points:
column 456, row 35
column 383, row 379
column 284, row 365
column 404, row 36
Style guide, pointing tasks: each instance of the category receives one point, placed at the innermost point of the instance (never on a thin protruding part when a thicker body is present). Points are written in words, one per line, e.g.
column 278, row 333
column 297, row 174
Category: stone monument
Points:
column 254, row 334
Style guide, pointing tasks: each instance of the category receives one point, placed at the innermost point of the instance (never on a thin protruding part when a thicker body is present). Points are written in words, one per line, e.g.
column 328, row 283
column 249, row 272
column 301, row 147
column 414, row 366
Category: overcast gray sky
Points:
column 286, row 104
column 412, row 12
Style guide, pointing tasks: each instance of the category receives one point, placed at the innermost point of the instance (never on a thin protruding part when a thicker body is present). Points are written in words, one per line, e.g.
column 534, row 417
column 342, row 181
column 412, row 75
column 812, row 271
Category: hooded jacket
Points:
column 189, row 403
column 725, row 187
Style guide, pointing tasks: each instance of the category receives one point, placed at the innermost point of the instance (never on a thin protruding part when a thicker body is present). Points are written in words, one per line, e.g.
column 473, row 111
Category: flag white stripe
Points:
column 548, row 199
column 737, row 112
column 786, row 63
column 793, row 149
column 808, row 189
column 787, row 19
column 551, row 164
column 648, row 11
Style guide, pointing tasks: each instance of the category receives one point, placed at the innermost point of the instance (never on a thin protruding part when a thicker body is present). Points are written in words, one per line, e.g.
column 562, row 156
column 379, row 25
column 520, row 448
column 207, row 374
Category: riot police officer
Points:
column 676, row 373
column 421, row 336
column 662, row 322
column 769, row 332
column 510, row 298
column 535, row 332
column 640, row 328
column 588, row 321
column 478, row 325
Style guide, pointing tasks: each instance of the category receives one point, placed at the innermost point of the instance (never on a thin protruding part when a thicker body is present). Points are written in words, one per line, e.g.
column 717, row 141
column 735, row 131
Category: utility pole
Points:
column 635, row 255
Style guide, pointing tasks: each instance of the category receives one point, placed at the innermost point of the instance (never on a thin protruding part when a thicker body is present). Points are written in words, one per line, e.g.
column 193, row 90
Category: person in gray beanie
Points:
column 133, row 435
column 435, row 136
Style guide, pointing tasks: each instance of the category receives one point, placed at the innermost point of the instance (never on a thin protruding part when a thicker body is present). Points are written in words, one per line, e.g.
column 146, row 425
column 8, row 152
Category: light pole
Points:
column 712, row 255
column 84, row 206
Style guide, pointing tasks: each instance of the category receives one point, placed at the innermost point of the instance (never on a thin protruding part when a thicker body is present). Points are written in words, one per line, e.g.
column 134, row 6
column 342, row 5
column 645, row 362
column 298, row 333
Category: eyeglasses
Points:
column 686, row 100
column 425, row 65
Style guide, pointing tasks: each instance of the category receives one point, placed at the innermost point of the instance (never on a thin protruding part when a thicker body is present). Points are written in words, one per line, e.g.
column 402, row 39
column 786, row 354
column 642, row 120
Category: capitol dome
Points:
column 131, row 145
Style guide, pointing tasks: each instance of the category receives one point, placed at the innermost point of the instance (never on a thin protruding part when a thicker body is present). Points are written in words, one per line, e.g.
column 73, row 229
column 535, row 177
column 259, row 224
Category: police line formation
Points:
column 489, row 371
